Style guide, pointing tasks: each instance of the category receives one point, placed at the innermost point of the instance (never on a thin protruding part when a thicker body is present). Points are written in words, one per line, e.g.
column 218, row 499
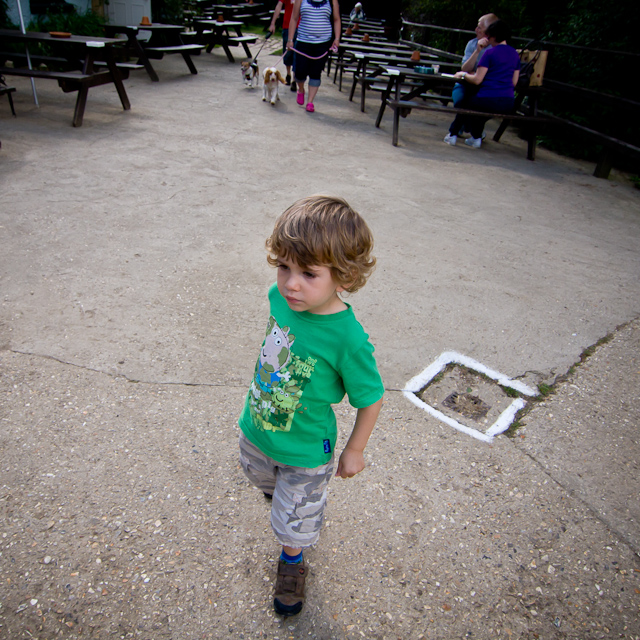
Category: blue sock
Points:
column 287, row 559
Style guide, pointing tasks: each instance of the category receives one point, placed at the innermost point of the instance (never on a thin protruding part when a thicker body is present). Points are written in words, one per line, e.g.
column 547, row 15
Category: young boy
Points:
column 314, row 351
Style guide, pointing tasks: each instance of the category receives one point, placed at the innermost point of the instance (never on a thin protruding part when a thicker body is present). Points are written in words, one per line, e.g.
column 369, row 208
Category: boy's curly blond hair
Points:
column 324, row 230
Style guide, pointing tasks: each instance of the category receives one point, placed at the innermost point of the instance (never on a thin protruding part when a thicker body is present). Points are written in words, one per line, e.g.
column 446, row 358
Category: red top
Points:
column 288, row 9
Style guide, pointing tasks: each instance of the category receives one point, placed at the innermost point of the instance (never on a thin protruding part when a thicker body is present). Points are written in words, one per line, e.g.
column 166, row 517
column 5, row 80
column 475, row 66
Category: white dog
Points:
column 250, row 73
column 270, row 87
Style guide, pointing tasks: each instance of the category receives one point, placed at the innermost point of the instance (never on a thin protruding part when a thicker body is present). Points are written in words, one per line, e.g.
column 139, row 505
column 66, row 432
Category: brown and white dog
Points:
column 250, row 72
column 270, row 87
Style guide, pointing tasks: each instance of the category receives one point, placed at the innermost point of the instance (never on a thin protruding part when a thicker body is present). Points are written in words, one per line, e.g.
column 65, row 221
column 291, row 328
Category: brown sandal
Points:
column 289, row 595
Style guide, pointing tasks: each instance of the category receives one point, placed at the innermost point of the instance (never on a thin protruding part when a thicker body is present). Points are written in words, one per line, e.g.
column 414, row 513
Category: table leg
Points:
column 142, row 57
column 189, row 61
column 396, row 124
column 533, row 131
column 225, row 46
column 13, row 110
column 396, row 112
column 117, row 79
column 364, row 79
column 383, row 102
column 245, row 46
column 339, row 61
column 357, row 73
column 224, row 43
column 81, row 103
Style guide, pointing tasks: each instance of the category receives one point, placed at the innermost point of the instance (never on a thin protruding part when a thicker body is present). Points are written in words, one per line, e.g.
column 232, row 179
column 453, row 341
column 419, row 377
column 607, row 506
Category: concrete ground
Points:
column 133, row 281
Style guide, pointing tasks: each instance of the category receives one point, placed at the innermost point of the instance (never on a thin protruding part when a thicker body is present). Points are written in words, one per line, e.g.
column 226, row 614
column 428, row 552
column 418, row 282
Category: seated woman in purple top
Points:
column 496, row 77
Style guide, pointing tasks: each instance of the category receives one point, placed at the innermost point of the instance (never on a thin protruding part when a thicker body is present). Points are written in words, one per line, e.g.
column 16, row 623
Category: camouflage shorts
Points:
column 299, row 494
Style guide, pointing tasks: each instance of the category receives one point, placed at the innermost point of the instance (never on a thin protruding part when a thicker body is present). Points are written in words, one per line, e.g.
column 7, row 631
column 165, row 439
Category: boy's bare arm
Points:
column 352, row 458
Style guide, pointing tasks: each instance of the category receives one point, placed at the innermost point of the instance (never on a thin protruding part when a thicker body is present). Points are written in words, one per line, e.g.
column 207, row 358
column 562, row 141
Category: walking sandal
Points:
column 289, row 595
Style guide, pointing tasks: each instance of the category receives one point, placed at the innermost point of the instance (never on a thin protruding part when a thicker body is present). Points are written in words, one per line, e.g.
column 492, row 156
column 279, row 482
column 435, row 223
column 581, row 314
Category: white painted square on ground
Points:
column 504, row 420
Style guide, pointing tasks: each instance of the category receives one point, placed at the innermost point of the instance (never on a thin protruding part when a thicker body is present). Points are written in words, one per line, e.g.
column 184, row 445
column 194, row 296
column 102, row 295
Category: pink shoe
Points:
column 300, row 98
column 310, row 107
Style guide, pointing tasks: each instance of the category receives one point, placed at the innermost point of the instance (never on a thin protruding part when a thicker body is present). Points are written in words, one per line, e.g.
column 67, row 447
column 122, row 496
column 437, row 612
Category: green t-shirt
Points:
column 307, row 363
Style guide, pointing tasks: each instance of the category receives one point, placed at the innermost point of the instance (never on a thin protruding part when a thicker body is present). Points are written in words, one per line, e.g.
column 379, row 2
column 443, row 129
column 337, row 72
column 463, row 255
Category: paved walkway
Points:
column 133, row 297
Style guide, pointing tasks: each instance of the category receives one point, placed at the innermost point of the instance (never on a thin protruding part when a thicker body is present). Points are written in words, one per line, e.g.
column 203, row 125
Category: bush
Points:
column 167, row 11
column 5, row 23
column 81, row 24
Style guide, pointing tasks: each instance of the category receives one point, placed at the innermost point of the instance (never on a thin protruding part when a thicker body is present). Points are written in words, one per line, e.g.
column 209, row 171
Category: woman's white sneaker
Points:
column 449, row 139
column 476, row 143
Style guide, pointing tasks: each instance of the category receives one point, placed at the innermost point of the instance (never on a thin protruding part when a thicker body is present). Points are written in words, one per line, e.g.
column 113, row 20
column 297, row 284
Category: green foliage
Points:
column 586, row 23
column 545, row 389
column 167, row 11
column 81, row 24
column 5, row 23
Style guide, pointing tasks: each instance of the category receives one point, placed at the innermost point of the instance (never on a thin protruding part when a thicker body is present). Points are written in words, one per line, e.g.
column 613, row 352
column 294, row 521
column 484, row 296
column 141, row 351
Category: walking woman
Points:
column 318, row 31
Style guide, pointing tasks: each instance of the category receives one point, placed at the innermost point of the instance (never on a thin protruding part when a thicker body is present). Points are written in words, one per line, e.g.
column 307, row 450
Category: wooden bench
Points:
column 130, row 66
column 20, row 59
column 403, row 108
column 245, row 41
column 186, row 50
column 71, row 81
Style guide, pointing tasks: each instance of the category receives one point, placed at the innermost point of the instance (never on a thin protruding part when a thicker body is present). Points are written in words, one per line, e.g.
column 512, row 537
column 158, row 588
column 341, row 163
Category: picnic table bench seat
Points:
column 70, row 81
column 131, row 66
column 242, row 39
column 193, row 49
column 407, row 87
column 186, row 50
column 402, row 108
column 20, row 59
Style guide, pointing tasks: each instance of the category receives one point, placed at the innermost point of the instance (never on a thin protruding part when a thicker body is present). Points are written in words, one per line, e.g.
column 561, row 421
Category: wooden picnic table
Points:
column 377, row 43
column 420, row 83
column 215, row 32
column 165, row 39
column 401, row 101
column 372, row 67
column 347, row 51
column 372, row 71
column 230, row 11
column 362, row 27
column 79, row 53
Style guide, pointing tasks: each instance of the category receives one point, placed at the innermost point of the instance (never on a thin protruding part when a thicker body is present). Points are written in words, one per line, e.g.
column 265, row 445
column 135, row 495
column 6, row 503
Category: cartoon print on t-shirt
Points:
column 279, row 380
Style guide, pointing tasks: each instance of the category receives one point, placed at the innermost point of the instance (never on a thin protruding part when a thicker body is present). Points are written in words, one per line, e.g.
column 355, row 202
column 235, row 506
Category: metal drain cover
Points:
column 466, row 404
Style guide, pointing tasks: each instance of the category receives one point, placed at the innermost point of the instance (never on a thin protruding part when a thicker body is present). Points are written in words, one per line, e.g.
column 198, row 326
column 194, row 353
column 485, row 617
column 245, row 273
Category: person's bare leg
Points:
column 312, row 93
column 290, row 551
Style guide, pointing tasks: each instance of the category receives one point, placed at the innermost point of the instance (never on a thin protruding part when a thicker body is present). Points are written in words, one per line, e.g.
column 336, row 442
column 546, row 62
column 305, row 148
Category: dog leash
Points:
column 326, row 53
column 254, row 62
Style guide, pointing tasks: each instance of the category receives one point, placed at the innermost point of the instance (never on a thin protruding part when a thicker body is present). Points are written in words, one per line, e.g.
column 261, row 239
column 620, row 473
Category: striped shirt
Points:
column 315, row 21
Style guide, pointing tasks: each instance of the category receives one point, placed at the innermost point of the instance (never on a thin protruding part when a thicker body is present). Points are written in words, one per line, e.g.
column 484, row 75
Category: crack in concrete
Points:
column 124, row 376
column 574, row 494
